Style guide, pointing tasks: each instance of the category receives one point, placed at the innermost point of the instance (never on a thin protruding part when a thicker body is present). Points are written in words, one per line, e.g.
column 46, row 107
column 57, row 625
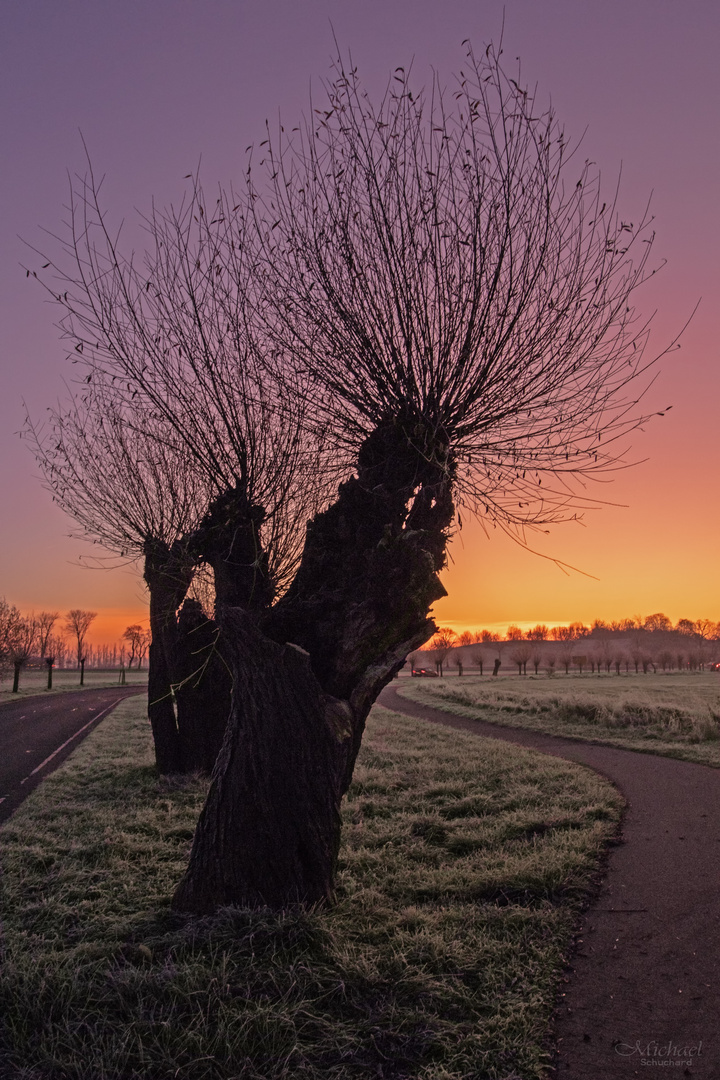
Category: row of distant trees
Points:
column 639, row 644
column 60, row 641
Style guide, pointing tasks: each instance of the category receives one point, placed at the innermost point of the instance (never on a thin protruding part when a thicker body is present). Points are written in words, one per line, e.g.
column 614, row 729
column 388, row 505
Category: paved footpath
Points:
column 38, row 732
column 643, row 993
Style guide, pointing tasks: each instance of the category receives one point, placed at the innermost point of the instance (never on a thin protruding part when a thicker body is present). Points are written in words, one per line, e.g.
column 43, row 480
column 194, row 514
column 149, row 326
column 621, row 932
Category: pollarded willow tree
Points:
column 123, row 478
column 456, row 302
column 180, row 450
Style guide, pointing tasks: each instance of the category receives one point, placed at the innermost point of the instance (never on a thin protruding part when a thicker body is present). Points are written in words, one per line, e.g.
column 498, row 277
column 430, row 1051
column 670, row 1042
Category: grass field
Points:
column 463, row 868
column 34, row 681
column 677, row 715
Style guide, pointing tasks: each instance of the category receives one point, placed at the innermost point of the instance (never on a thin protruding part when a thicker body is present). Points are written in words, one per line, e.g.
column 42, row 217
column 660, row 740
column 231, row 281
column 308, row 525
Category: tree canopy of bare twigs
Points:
column 45, row 622
column 121, row 475
column 16, row 635
column 76, row 624
column 442, row 260
column 173, row 376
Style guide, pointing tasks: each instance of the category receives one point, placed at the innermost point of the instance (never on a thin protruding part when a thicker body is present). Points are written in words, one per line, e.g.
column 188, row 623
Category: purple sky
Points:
column 156, row 86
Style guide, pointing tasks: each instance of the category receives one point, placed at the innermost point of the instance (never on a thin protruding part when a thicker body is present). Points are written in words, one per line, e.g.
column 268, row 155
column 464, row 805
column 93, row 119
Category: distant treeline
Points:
column 640, row 644
column 47, row 639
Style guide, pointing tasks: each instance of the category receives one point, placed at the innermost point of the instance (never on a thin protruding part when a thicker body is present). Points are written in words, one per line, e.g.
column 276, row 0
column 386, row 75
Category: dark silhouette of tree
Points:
column 537, row 655
column 457, row 660
column 18, row 636
column 566, row 651
column 442, row 644
column 423, row 295
column 11, row 628
column 22, row 650
column 126, row 482
column 657, row 623
column 181, row 450
column 134, row 636
column 76, row 624
column 520, row 655
column 44, row 623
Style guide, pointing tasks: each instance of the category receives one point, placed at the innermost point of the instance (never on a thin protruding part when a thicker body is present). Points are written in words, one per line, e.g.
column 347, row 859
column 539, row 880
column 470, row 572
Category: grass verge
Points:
column 34, row 682
column 463, row 867
column 673, row 715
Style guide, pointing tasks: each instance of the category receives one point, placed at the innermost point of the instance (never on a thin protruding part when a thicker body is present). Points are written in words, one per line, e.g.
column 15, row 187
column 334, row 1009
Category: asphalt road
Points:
column 37, row 733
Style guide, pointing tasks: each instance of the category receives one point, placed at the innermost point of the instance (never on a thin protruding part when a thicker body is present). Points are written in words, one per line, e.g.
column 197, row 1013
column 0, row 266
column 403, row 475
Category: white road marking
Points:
column 67, row 741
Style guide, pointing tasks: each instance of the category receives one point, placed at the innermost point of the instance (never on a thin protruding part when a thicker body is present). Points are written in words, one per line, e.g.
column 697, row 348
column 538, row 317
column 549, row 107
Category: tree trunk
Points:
column 270, row 829
column 168, row 573
column 305, row 675
column 202, row 683
column 17, row 664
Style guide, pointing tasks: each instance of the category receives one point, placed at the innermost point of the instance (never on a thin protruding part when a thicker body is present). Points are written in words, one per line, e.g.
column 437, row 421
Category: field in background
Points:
column 463, row 868
column 34, row 681
column 676, row 714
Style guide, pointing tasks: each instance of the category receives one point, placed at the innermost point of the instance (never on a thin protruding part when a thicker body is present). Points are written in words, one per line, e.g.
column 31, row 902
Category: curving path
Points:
column 643, row 993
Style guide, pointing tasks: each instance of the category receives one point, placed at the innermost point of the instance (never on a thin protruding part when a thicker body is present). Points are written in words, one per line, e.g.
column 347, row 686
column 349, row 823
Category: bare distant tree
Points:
column 457, row 660
column 442, row 643
column 604, row 653
column 520, row 655
column 514, row 633
column 134, row 635
column 580, row 661
column 537, row 655
column 22, row 643
column 44, row 623
column 657, row 623
column 565, row 653
column 665, row 659
column 57, row 648
column 77, row 623
column 538, row 633
column 478, row 659
column 10, row 623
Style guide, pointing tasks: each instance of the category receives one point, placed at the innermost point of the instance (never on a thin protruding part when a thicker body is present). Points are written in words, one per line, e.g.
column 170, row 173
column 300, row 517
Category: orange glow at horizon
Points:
column 110, row 625
column 652, row 547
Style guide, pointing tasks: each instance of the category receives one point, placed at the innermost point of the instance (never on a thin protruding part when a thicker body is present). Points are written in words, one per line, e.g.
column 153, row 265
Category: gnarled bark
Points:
column 270, row 829
column 202, row 683
column 306, row 674
column 168, row 573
